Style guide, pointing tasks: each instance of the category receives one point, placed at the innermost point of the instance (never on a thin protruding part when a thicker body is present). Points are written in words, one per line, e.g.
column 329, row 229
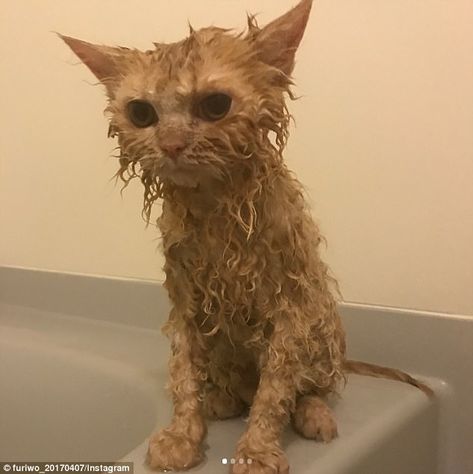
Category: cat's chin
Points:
column 188, row 180
column 181, row 180
column 169, row 172
column 186, row 175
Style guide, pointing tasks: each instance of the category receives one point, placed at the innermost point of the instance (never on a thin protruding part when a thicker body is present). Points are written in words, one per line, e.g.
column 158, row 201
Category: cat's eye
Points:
column 141, row 113
column 214, row 107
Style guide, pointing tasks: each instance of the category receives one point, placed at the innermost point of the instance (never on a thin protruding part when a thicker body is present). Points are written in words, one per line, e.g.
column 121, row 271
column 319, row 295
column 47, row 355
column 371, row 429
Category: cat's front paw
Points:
column 172, row 451
column 260, row 463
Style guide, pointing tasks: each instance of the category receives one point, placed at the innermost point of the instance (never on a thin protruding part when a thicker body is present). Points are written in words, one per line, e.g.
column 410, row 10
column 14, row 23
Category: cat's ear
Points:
column 278, row 41
column 101, row 60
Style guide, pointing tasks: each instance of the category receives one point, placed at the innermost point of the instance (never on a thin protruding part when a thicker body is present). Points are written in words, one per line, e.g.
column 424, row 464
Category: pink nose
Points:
column 173, row 146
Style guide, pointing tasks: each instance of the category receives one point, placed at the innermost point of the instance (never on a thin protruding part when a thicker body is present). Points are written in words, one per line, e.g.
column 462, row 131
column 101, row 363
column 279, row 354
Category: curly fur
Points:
column 254, row 319
column 244, row 252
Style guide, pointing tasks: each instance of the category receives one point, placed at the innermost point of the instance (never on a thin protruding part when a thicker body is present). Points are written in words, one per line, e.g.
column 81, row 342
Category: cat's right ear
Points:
column 101, row 60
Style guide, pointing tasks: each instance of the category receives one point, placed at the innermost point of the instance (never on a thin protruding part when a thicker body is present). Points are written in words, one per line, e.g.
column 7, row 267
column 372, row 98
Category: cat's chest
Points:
column 194, row 246
column 210, row 241
column 213, row 260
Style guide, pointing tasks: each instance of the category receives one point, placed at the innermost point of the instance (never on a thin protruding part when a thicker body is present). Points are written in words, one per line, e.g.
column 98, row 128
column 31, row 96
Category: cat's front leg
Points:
column 179, row 446
column 259, row 450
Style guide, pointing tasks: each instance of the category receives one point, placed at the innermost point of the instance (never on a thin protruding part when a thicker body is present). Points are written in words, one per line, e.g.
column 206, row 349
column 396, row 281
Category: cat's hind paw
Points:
column 314, row 419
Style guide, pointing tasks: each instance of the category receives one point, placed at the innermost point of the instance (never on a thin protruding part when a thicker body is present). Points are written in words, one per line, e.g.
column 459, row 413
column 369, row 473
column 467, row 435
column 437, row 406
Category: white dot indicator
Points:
column 232, row 460
column 241, row 460
column 224, row 460
column 249, row 461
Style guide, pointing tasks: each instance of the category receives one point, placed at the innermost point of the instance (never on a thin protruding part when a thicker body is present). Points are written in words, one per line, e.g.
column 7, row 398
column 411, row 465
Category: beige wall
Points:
column 384, row 141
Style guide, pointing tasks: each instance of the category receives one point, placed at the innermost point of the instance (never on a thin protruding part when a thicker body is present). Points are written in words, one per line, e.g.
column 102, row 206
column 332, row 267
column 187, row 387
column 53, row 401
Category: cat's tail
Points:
column 372, row 370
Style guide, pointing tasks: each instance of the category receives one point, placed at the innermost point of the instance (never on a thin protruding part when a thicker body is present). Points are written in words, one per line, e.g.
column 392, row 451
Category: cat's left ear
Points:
column 278, row 41
column 101, row 60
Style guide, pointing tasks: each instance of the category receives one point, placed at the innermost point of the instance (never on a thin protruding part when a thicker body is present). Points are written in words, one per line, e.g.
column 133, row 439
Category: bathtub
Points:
column 83, row 368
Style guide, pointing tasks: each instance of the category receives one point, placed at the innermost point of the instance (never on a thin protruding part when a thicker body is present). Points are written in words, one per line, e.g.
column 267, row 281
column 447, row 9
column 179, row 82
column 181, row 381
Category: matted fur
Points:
column 240, row 244
column 254, row 319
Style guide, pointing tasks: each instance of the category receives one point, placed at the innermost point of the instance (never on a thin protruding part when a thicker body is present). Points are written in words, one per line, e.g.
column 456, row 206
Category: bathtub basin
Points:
column 83, row 374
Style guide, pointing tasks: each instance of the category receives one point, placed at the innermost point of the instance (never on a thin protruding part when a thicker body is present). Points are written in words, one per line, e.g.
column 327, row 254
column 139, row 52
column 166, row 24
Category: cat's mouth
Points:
column 181, row 171
column 177, row 176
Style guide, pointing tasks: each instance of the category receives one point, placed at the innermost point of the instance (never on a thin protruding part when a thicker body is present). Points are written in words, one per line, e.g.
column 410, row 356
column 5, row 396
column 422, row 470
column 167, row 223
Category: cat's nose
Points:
column 173, row 145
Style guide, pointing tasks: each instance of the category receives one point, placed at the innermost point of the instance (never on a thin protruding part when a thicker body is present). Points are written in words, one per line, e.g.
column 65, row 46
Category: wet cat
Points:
column 203, row 124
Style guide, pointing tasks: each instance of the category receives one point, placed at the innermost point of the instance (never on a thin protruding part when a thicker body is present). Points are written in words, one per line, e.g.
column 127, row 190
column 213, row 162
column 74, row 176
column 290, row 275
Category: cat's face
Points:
column 193, row 109
column 189, row 112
